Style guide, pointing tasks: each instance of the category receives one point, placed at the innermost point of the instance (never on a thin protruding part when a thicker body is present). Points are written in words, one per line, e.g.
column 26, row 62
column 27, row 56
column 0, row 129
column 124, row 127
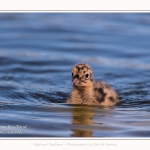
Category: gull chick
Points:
column 88, row 92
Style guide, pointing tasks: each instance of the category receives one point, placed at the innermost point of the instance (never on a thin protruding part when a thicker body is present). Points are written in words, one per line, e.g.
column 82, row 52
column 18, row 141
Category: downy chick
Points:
column 88, row 92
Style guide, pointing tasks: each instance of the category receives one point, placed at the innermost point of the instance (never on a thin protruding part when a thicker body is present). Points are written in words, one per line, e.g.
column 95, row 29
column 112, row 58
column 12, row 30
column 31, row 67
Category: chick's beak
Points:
column 75, row 81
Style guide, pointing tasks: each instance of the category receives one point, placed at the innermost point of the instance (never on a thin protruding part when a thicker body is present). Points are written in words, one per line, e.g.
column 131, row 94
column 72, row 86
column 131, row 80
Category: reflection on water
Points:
column 83, row 117
column 84, row 120
column 37, row 52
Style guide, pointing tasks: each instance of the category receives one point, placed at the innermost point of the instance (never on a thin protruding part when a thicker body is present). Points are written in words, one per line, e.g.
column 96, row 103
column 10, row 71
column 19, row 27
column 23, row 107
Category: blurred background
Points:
column 37, row 52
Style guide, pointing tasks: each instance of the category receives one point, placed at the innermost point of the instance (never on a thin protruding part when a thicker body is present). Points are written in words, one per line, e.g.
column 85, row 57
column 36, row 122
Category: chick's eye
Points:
column 87, row 75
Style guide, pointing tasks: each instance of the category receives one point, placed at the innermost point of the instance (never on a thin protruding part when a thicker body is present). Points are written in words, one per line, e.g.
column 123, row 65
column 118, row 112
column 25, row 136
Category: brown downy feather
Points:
column 86, row 91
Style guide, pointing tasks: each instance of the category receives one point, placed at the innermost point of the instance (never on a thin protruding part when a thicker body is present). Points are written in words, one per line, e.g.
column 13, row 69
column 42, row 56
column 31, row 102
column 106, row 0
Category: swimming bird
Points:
column 88, row 92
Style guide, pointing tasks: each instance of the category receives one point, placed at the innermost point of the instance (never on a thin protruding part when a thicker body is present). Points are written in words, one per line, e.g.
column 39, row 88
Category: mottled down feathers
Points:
column 88, row 92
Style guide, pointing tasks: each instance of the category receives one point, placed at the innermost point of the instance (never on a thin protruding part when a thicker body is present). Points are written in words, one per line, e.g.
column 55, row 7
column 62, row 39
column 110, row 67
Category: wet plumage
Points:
column 88, row 92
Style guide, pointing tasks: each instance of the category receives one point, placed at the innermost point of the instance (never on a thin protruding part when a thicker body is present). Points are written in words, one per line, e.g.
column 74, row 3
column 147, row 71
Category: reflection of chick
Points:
column 82, row 121
column 88, row 92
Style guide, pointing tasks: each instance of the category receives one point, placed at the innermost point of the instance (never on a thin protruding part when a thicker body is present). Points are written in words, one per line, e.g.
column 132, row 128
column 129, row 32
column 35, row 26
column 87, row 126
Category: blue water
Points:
column 37, row 52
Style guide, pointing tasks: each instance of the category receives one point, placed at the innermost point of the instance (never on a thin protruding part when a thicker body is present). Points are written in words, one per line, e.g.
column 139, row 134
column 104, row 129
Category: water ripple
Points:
column 37, row 52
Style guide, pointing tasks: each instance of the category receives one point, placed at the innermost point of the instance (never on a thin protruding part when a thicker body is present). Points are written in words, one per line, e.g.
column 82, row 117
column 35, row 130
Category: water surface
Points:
column 37, row 52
